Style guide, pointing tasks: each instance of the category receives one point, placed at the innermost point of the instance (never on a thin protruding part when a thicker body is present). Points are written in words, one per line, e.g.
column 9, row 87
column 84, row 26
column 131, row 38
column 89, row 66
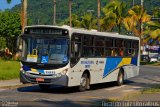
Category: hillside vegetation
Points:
column 41, row 11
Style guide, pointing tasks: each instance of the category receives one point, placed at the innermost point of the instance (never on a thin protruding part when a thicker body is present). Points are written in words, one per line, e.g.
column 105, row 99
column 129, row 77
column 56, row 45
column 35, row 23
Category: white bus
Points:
column 66, row 56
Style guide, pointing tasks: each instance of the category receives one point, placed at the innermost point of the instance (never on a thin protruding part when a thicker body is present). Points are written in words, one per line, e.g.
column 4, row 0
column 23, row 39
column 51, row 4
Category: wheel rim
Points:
column 121, row 79
column 83, row 81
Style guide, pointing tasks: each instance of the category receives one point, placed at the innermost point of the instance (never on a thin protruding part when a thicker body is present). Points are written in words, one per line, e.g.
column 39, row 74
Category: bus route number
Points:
column 87, row 66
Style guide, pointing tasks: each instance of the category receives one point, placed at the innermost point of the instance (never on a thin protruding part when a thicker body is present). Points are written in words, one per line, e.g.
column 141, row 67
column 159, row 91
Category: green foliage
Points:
column 2, row 43
column 10, row 28
column 88, row 21
column 152, row 32
column 139, row 16
column 8, row 71
column 75, row 21
column 114, row 14
column 43, row 9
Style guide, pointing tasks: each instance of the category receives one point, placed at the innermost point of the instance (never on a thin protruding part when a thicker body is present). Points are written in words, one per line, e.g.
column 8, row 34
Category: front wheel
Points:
column 120, row 79
column 84, row 83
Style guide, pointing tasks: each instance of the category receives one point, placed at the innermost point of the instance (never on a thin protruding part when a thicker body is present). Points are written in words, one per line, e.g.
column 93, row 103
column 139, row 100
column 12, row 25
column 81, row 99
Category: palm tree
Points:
column 75, row 21
column 152, row 32
column 139, row 16
column 116, row 10
column 108, row 22
column 88, row 21
column 129, row 24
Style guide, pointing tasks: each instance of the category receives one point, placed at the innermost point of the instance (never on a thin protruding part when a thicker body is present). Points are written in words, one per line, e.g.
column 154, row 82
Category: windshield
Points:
column 42, row 50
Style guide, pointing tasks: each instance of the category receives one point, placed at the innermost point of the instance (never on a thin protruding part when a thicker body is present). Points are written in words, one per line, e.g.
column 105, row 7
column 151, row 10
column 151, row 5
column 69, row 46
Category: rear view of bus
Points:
column 45, row 56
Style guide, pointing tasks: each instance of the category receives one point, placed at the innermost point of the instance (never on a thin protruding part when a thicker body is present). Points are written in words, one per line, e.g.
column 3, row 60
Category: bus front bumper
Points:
column 49, row 80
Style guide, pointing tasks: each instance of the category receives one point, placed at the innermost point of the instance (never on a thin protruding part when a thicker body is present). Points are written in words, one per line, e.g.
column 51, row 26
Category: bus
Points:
column 65, row 56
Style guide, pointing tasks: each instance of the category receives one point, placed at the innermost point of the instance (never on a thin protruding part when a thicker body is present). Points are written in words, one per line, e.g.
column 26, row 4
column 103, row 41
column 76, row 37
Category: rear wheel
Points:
column 120, row 79
column 44, row 86
column 84, row 83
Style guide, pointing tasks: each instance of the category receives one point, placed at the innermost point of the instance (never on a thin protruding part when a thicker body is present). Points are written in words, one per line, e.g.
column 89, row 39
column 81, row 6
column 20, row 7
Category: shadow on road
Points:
column 64, row 90
column 143, row 84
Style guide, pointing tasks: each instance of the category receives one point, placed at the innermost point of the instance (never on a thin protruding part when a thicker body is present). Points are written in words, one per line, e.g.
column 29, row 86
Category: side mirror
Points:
column 76, row 47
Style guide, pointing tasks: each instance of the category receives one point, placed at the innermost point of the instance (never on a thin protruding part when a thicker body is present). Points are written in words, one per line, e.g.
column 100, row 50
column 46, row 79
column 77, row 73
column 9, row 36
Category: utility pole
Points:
column 99, row 12
column 141, row 36
column 54, row 14
column 133, row 3
column 142, row 10
column 24, row 14
column 70, row 12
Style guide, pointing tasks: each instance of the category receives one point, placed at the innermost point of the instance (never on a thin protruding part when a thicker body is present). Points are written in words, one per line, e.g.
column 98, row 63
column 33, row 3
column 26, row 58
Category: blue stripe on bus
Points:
column 134, row 61
column 111, row 64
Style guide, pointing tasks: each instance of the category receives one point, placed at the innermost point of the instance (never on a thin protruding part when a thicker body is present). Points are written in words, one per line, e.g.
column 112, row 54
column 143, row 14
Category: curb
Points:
column 10, row 83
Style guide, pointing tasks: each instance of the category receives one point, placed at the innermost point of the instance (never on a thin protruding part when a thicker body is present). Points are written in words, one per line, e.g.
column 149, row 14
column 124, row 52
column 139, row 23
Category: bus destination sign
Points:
column 45, row 31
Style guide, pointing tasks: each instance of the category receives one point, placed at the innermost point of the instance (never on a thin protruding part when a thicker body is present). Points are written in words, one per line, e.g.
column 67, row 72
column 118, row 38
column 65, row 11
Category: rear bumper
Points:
column 29, row 78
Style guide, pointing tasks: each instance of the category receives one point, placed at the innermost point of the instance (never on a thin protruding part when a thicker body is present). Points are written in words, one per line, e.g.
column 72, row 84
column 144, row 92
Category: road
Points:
column 33, row 95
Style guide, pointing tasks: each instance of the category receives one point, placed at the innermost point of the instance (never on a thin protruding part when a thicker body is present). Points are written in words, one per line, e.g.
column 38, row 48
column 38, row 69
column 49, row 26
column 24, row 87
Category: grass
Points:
column 9, row 69
column 150, row 63
column 151, row 90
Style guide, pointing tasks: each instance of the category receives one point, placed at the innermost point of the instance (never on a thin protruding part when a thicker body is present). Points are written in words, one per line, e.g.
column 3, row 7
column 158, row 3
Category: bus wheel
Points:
column 120, row 78
column 44, row 86
column 84, row 83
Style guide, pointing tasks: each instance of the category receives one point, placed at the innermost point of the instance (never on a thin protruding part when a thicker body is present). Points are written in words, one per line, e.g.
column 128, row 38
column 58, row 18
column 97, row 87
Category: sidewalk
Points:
column 9, row 83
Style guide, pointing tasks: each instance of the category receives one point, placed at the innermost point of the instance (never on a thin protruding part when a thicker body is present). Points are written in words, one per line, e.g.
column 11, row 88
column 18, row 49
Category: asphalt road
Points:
column 34, row 96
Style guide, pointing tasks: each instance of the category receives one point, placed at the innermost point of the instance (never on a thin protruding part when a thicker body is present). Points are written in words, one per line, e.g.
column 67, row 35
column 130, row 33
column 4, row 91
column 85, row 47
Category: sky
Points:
column 4, row 5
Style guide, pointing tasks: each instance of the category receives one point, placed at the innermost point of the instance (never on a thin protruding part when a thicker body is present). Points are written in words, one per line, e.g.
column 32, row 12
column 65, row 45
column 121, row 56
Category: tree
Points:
column 129, row 24
column 139, row 16
column 88, row 21
column 152, row 32
column 116, row 11
column 10, row 29
column 107, row 23
column 75, row 21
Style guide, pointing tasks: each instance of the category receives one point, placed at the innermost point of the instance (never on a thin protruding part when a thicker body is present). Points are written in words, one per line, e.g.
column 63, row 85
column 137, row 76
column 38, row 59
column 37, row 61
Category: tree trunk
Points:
column 119, row 28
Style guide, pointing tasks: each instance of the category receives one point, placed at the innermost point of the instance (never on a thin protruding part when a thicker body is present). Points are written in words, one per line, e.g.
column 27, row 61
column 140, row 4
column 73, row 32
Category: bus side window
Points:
column 75, row 48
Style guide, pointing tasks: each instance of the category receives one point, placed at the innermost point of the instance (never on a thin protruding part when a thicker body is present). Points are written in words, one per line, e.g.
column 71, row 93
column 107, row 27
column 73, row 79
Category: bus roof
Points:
column 85, row 31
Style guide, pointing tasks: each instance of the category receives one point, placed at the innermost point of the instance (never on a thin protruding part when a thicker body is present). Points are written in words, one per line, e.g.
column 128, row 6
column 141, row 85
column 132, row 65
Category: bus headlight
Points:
column 22, row 71
column 57, row 75
column 27, row 73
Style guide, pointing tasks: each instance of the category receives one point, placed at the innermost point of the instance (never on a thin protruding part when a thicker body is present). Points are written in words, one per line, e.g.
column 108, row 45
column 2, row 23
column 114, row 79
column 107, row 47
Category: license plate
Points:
column 49, row 72
column 40, row 79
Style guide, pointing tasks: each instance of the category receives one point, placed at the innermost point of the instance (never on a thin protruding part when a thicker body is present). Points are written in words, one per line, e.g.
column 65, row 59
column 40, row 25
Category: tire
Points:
column 44, row 87
column 120, row 78
column 84, row 83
